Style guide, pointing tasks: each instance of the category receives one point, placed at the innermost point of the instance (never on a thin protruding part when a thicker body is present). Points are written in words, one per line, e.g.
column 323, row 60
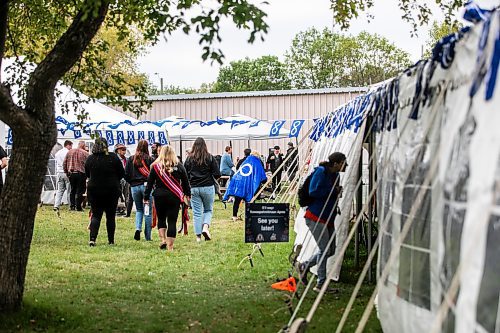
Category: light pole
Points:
column 161, row 82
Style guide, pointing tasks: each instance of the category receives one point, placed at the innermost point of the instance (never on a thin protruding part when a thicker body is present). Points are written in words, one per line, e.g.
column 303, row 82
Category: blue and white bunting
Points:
column 109, row 138
column 130, row 138
column 276, row 127
column 295, row 128
column 77, row 134
column 162, row 138
column 151, row 137
column 9, row 137
column 120, row 138
column 141, row 136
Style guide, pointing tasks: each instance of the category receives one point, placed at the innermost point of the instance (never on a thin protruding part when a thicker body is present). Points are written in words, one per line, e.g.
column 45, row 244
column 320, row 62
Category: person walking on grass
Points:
column 203, row 172
column 171, row 189
column 74, row 167
column 136, row 174
column 62, row 178
column 104, row 171
column 324, row 191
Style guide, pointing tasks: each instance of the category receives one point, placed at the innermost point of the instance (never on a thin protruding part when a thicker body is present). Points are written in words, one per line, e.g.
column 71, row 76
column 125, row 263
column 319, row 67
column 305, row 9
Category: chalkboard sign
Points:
column 267, row 222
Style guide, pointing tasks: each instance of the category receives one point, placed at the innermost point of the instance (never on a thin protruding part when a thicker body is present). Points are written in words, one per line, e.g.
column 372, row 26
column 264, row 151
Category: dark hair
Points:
column 336, row 157
column 227, row 148
column 157, row 144
column 141, row 152
column 247, row 151
column 100, row 146
column 199, row 153
column 67, row 143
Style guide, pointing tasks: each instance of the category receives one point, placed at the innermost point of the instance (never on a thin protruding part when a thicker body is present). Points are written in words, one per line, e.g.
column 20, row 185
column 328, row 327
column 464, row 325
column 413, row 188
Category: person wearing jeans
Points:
column 136, row 174
column 202, row 201
column 203, row 172
column 324, row 190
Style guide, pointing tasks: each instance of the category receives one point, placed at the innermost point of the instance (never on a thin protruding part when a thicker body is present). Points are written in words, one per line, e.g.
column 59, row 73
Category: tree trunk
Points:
column 18, row 203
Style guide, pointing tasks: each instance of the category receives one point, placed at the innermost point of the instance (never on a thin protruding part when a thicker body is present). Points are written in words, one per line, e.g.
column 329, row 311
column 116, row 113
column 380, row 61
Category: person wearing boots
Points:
column 171, row 189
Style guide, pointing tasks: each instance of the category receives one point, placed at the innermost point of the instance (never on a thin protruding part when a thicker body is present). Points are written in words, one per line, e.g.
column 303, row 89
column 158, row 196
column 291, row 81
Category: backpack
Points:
column 303, row 195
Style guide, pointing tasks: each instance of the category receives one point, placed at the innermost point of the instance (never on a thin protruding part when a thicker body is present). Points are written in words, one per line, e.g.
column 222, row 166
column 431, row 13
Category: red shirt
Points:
column 75, row 161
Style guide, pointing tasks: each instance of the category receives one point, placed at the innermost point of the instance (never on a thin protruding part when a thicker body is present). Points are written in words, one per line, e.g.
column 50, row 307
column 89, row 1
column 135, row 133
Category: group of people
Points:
column 158, row 183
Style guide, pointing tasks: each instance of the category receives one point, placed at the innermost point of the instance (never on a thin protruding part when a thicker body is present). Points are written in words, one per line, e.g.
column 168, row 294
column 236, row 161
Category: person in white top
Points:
column 62, row 178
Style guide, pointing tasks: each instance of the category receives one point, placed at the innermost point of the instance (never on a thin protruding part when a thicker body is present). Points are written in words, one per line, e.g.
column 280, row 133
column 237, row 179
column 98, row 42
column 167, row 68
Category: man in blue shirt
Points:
column 226, row 163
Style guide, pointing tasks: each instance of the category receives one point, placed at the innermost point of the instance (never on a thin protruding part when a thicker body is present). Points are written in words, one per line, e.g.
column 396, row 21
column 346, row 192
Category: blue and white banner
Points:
column 109, row 138
column 120, row 137
column 141, row 136
column 275, row 129
column 151, row 137
column 77, row 133
column 130, row 138
column 162, row 138
column 9, row 137
column 295, row 128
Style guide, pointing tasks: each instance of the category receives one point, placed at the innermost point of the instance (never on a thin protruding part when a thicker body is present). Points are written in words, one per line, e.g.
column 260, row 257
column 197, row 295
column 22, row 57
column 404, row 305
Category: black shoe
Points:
column 111, row 243
column 72, row 208
column 329, row 289
column 163, row 246
column 302, row 270
column 137, row 235
column 92, row 243
column 79, row 209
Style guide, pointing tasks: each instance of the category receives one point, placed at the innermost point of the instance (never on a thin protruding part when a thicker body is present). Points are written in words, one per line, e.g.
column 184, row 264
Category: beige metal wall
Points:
column 277, row 107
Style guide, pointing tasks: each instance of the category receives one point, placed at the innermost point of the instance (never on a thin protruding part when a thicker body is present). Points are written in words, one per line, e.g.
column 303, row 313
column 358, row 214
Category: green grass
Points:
column 135, row 287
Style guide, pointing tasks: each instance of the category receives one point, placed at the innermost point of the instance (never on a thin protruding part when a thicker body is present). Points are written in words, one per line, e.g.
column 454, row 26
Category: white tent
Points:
column 236, row 127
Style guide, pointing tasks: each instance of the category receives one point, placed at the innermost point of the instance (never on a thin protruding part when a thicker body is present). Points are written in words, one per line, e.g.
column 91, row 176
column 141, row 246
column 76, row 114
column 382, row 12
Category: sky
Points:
column 178, row 60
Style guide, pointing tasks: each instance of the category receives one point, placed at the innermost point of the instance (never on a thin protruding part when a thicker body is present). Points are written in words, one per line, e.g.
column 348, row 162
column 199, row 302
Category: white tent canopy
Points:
column 236, row 127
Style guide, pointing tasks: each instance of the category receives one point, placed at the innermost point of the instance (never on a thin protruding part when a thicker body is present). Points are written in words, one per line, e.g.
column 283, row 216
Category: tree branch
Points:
column 4, row 13
column 10, row 112
column 68, row 49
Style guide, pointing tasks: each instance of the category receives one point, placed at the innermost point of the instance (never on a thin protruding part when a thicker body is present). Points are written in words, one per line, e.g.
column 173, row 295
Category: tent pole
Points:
column 372, row 181
column 359, row 209
column 180, row 148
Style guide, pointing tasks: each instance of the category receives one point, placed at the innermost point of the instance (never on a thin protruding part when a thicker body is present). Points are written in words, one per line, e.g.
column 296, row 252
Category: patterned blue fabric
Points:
column 247, row 179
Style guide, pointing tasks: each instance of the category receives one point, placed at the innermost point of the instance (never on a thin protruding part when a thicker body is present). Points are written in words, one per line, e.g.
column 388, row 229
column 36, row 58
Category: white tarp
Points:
column 456, row 229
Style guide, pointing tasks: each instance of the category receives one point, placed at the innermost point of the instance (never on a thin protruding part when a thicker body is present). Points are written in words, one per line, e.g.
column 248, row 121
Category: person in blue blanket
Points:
column 325, row 190
column 245, row 182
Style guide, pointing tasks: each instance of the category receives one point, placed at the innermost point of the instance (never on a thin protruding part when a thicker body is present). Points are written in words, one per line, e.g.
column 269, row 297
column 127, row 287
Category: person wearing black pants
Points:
column 170, row 180
column 104, row 171
column 236, row 206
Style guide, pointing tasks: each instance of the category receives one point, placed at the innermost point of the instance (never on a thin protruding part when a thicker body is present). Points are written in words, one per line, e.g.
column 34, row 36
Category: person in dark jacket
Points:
column 170, row 180
column 247, row 153
column 275, row 160
column 203, row 171
column 292, row 164
column 104, row 171
column 320, row 215
column 136, row 174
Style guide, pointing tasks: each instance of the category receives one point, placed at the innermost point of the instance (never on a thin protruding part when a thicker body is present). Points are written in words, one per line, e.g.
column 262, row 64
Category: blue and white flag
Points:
column 109, row 138
column 275, row 129
column 295, row 128
column 130, row 138
column 9, row 137
column 120, row 137
column 246, row 181
column 141, row 136
column 151, row 137
column 162, row 138
column 77, row 134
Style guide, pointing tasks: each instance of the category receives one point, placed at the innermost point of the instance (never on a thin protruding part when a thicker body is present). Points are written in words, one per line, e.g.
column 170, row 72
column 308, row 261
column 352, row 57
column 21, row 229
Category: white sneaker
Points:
column 206, row 233
column 198, row 239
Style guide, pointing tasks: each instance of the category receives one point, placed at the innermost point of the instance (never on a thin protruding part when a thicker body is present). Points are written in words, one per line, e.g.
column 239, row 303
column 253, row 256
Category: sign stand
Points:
column 249, row 257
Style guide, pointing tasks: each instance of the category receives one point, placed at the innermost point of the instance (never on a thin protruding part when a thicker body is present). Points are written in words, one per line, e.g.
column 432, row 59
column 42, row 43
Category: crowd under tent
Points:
column 434, row 156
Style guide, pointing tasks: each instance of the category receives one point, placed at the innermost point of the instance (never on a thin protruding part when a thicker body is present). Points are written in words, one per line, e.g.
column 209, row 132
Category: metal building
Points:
column 287, row 105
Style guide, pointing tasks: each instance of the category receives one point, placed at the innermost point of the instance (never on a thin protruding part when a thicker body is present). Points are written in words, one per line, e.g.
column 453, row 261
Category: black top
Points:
column 132, row 174
column 275, row 161
column 161, row 190
column 240, row 162
column 204, row 174
column 104, row 172
column 292, row 161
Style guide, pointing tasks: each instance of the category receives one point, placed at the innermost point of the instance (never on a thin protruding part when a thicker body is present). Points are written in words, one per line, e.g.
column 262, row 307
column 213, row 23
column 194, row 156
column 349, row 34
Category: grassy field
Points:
column 135, row 287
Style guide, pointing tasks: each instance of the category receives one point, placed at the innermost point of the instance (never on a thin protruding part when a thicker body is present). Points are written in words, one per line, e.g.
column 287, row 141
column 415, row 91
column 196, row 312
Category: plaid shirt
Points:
column 75, row 161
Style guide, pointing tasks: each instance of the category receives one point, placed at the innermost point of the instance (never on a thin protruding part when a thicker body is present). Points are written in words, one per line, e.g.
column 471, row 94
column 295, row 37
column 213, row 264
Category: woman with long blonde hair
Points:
column 171, row 190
